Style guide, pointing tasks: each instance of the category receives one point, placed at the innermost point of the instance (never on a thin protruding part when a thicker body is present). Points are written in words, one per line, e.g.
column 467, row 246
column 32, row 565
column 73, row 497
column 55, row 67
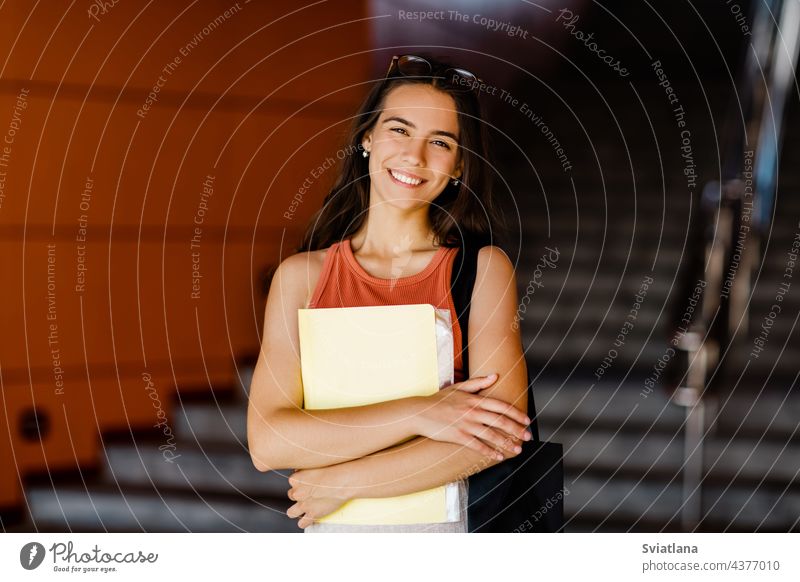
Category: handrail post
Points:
column 690, row 396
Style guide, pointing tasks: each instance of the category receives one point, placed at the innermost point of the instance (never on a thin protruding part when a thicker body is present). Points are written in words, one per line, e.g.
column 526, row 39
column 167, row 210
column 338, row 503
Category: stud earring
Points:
column 365, row 153
column 454, row 181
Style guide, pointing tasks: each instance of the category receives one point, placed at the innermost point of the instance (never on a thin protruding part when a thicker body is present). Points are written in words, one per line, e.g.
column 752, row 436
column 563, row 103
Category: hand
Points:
column 457, row 414
column 316, row 495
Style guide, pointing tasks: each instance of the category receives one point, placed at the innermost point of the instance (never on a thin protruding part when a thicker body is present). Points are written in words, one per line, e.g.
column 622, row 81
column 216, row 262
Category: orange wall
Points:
column 100, row 197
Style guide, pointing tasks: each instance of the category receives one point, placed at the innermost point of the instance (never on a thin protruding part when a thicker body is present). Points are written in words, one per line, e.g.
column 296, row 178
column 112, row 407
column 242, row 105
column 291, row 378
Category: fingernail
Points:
column 527, row 436
column 518, row 449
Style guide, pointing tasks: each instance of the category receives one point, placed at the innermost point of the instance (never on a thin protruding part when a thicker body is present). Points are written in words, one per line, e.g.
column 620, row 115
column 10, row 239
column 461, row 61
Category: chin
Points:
column 407, row 203
column 408, row 199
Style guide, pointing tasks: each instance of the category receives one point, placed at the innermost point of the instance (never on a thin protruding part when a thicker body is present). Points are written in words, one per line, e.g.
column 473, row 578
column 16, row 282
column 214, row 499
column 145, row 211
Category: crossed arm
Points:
column 423, row 463
column 346, row 453
column 418, row 464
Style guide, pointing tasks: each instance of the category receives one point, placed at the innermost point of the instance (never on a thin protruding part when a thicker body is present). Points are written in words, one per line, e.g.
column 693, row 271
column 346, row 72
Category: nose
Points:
column 414, row 152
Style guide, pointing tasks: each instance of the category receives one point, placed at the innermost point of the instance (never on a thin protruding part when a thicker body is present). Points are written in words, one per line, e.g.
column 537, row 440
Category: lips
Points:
column 405, row 179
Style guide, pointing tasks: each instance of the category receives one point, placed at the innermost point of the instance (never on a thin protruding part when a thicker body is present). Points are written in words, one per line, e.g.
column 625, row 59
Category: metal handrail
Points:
column 740, row 202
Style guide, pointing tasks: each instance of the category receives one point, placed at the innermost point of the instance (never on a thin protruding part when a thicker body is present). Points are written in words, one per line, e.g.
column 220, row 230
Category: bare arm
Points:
column 422, row 463
column 280, row 434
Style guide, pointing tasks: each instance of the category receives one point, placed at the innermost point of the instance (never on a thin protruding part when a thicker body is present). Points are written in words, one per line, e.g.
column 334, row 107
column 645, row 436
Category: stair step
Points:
column 619, row 255
column 763, row 295
column 597, row 500
column 604, row 317
column 77, row 508
column 570, row 212
column 653, row 506
column 592, row 315
column 219, row 424
column 658, row 455
column 752, row 509
column 605, row 403
column 576, row 289
column 567, row 226
column 216, row 470
column 245, row 375
column 549, row 345
column 772, row 414
column 207, row 423
column 777, row 350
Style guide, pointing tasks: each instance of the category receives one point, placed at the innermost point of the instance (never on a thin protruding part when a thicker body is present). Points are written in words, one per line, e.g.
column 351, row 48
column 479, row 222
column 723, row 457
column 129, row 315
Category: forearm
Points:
column 301, row 439
column 416, row 465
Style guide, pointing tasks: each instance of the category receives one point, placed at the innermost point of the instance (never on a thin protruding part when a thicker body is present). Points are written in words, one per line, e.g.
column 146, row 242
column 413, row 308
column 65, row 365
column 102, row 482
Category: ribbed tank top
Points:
column 343, row 282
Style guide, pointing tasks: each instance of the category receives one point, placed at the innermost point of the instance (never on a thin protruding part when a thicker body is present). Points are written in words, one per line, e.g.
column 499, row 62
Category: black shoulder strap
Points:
column 465, row 268
column 462, row 281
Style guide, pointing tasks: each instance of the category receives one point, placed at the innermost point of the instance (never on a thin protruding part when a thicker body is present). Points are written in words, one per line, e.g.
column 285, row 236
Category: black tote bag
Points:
column 524, row 493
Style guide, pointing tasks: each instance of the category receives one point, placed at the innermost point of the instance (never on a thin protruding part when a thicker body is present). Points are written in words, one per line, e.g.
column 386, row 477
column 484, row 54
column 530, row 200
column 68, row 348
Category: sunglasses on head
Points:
column 414, row 66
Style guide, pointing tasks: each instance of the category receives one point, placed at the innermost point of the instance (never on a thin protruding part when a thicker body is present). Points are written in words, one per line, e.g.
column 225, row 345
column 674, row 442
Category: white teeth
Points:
column 405, row 179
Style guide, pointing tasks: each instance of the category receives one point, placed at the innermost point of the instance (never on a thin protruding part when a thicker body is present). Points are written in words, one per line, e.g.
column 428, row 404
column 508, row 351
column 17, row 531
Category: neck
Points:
column 389, row 231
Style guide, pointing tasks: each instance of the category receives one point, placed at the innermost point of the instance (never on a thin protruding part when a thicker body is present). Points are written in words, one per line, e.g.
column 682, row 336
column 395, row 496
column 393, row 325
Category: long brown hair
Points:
column 466, row 211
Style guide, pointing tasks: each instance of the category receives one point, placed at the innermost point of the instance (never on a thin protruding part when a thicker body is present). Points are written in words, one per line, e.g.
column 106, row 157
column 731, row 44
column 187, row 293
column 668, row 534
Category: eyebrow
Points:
column 451, row 135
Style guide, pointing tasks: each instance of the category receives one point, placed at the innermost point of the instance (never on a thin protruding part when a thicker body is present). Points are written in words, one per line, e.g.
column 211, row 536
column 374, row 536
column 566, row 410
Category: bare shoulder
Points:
column 493, row 263
column 300, row 273
column 494, row 296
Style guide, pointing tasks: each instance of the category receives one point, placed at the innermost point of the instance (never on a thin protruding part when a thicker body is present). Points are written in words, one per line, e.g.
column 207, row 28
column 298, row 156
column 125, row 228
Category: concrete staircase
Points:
column 623, row 457
column 209, row 486
column 614, row 226
column 778, row 360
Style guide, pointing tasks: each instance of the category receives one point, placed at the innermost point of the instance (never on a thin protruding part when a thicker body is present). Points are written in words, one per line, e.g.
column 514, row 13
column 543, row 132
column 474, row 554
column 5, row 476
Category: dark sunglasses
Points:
column 414, row 66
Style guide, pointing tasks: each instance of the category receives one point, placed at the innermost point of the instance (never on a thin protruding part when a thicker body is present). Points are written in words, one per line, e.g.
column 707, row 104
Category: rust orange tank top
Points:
column 343, row 282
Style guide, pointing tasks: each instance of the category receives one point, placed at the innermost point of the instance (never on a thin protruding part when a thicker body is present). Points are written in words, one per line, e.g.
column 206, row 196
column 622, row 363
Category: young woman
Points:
column 387, row 234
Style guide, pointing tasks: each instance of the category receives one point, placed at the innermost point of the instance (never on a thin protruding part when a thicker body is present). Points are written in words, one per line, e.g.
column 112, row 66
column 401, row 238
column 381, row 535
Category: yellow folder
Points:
column 353, row 356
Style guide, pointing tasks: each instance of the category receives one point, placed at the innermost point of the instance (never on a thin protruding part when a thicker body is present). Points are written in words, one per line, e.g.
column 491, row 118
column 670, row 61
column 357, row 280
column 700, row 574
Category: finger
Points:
column 477, row 384
column 499, row 421
column 502, row 422
column 483, row 448
column 498, row 439
column 503, row 407
column 468, row 439
column 295, row 511
column 304, row 522
column 504, row 454
column 514, row 440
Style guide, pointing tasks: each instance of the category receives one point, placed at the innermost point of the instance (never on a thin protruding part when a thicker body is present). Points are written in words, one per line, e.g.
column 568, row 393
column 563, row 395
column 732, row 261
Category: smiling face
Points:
column 414, row 146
